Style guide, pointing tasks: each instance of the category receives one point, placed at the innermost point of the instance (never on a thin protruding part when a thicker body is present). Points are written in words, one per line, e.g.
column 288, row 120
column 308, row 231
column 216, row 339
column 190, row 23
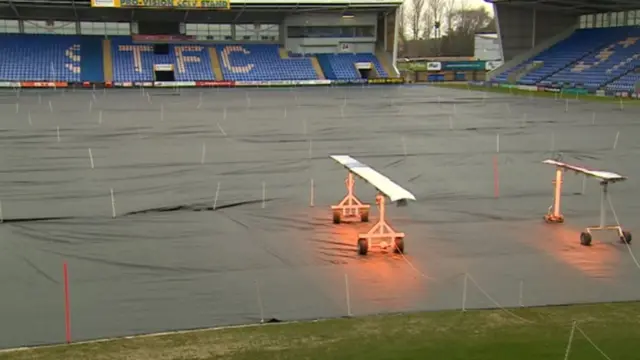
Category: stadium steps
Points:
column 384, row 62
column 532, row 53
column 514, row 77
column 91, row 59
column 316, row 65
column 284, row 54
column 107, row 60
column 325, row 65
column 215, row 64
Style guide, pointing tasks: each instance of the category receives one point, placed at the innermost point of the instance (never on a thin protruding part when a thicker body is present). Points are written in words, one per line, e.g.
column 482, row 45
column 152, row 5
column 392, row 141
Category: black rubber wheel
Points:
column 398, row 245
column 626, row 237
column 363, row 246
column 336, row 217
column 364, row 215
column 585, row 239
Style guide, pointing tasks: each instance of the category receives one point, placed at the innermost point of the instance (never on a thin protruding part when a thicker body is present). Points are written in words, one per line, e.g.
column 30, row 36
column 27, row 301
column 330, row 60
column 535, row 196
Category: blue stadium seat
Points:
column 589, row 57
column 40, row 58
column 131, row 62
column 342, row 66
column 620, row 56
column 262, row 63
column 192, row 62
column 627, row 82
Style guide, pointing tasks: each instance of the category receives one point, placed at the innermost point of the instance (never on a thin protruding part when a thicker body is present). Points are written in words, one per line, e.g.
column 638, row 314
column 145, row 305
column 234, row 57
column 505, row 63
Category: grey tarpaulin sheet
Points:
column 168, row 261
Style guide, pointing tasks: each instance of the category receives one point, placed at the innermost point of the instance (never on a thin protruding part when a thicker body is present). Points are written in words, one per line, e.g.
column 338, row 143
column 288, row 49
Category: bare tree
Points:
column 427, row 28
column 435, row 9
column 450, row 8
column 416, row 17
column 402, row 24
column 471, row 20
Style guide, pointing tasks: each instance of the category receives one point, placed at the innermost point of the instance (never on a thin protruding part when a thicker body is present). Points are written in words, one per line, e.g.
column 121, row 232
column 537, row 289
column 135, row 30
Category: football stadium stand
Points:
column 262, row 63
column 341, row 66
column 591, row 58
column 80, row 58
column 40, row 58
column 600, row 52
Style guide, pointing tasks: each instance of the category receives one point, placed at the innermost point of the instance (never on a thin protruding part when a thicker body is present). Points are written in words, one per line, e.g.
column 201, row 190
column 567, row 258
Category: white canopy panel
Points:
column 382, row 183
column 604, row 175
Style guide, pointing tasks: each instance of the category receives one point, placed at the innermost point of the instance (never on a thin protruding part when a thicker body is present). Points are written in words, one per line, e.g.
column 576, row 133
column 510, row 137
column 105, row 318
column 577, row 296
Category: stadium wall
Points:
column 330, row 44
column 522, row 29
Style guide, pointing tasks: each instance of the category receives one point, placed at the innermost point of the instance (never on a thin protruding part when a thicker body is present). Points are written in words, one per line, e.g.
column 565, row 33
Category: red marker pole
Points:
column 496, row 177
column 67, row 315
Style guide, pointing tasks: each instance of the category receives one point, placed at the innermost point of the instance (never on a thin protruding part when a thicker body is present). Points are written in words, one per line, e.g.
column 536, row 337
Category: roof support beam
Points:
column 235, row 20
column 15, row 10
column 75, row 12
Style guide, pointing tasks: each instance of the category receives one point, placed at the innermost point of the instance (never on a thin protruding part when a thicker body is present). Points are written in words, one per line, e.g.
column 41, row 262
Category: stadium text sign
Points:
column 163, row 4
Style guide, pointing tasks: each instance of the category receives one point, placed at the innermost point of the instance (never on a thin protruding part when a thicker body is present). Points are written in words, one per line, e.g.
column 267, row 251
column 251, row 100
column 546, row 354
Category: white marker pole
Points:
column 615, row 142
column 454, row 109
column 50, row 106
column 221, row 130
column 285, row 112
column 348, row 295
column 497, row 143
column 508, row 108
column 593, row 118
column 200, row 101
column 264, row 194
column 464, row 292
column 260, row 302
column 204, row 152
column 58, row 132
column 17, row 108
column 566, row 105
column 90, row 106
column 248, row 99
column 621, row 105
column 100, row 117
column 91, row 158
column 29, row 118
column 312, row 194
column 113, row 205
column 521, row 293
column 215, row 200
column 1, row 216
